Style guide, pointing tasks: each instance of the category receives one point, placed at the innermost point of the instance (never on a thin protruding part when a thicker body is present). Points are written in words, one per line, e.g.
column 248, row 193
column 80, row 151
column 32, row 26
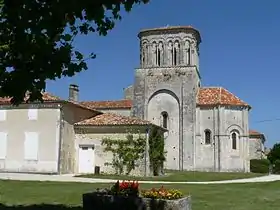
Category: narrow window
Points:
column 164, row 119
column 158, row 58
column 233, row 139
column 176, row 53
column 207, row 136
column 175, row 57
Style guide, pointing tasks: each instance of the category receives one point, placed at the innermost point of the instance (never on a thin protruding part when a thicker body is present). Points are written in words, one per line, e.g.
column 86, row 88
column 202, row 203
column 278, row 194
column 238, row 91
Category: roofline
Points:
column 151, row 31
column 107, row 107
column 82, row 106
column 60, row 101
column 261, row 135
column 219, row 104
column 122, row 125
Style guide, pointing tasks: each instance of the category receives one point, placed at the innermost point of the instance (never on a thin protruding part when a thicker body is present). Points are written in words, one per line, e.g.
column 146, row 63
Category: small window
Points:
column 32, row 114
column 207, row 136
column 234, row 140
column 164, row 119
column 31, row 146
column 3, row 145
column 3, row 115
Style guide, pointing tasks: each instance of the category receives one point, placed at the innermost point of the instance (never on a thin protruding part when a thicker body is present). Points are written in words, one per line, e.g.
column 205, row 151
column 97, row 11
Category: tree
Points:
column 37, row 36
column 156, row 150
column 274, row 153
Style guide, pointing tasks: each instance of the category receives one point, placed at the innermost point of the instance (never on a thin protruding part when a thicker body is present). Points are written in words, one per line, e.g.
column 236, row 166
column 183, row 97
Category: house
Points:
column 61, row 136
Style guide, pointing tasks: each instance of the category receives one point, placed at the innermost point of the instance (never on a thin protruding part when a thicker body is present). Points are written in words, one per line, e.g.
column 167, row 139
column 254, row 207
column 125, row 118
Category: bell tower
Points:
column 169, row 46
column 166, row 85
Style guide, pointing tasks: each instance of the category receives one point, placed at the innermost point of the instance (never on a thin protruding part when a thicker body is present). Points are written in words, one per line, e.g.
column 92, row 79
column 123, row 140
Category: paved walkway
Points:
column 70, row 178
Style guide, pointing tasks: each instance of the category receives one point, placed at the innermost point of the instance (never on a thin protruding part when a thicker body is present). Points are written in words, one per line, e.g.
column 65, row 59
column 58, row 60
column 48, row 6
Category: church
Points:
column 208, row 127
column 205, row 128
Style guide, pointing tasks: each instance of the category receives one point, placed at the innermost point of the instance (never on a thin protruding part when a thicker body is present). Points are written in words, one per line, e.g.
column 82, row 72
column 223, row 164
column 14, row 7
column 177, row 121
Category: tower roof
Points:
column 170, row 29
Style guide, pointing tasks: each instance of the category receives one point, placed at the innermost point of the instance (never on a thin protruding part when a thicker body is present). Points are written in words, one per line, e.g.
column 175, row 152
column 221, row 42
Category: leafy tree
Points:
column 156, row 150
column 37, row 36
column 274, row 153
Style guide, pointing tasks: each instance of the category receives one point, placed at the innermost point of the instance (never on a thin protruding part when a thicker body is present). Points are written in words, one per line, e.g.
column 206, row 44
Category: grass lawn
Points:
column 178, row 176
column 251, row 196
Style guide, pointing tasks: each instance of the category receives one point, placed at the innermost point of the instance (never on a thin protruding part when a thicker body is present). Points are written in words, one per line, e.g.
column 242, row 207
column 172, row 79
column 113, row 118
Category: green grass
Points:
column 250, row 196
column 178, row 176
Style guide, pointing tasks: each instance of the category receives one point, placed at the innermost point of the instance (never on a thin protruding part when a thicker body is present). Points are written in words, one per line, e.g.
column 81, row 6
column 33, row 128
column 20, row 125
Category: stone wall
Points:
column 256, row 148
column 219, row 154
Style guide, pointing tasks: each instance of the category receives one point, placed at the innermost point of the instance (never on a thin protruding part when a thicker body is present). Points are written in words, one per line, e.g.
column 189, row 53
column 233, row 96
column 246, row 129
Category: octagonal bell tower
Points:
column 166, row 86
column 170, row 46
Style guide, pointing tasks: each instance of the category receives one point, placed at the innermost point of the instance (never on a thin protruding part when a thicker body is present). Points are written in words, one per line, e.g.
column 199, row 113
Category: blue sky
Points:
column 239, row 51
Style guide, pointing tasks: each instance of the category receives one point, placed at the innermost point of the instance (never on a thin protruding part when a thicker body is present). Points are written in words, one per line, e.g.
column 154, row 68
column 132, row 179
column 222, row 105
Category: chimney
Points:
column 73, row 92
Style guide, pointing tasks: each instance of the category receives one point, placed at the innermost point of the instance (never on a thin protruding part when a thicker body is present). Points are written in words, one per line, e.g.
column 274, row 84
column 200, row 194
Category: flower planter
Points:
column 103, row 201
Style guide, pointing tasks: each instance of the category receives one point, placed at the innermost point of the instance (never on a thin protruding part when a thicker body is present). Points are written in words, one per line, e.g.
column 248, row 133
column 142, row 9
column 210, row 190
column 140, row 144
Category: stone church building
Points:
column 205, row 128
column 208, row 127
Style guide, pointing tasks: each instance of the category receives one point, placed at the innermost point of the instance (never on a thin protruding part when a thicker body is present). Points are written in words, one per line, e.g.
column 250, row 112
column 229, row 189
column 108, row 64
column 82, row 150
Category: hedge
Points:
column 259, row 166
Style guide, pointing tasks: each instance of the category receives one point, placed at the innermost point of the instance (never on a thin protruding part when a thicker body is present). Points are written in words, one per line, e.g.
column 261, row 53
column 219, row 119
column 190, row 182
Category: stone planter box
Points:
column 99, row 201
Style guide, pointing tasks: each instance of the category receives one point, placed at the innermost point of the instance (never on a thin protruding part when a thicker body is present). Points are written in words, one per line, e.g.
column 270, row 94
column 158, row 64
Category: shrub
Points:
column 276, row 167
column 259, row 166
column 162, row 193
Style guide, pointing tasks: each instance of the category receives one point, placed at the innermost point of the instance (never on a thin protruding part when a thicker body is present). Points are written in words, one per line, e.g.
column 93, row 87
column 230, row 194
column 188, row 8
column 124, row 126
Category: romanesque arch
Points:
column 164, row 105
column 234, row 127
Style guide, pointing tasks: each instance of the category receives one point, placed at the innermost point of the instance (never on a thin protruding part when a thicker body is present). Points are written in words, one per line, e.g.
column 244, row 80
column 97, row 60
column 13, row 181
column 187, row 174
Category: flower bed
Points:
column 126, row 196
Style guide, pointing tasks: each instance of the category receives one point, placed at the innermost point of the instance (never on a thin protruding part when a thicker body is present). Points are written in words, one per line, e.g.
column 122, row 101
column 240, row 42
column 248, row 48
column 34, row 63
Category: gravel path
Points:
column 70, row 178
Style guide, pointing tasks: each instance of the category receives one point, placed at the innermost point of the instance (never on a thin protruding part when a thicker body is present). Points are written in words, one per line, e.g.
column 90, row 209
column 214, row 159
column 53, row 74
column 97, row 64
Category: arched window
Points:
column 207, row 136
column 176, row 53
column 175, row 58
column 160, row 54
column 158, row 58
column 234, row 138
column 164, row 119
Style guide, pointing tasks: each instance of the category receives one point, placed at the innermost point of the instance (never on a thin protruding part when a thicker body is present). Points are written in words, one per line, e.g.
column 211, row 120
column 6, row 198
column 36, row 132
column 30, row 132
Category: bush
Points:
column 162, row 193
column 259, row 166
column 276, row 167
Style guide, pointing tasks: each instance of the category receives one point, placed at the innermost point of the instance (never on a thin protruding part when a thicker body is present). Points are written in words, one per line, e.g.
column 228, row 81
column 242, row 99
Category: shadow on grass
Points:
column 40, row 206
column 154, row 205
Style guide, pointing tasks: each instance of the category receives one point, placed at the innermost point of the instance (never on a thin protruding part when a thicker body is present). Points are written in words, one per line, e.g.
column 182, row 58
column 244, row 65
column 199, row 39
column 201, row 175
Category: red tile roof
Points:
column 255, row 133
column 112, row 120
column 206, row 96
column 46, row 97
column 120, row 104
column 218, row 96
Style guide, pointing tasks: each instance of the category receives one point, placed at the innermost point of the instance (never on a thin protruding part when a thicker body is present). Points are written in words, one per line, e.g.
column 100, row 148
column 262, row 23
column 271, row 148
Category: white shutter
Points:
column 32, row 114
column 31, row 144
column 3, row 145
column 3, row 115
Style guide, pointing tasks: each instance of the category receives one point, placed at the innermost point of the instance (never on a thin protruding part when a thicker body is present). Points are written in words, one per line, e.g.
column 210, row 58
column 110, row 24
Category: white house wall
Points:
column 17, row 125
